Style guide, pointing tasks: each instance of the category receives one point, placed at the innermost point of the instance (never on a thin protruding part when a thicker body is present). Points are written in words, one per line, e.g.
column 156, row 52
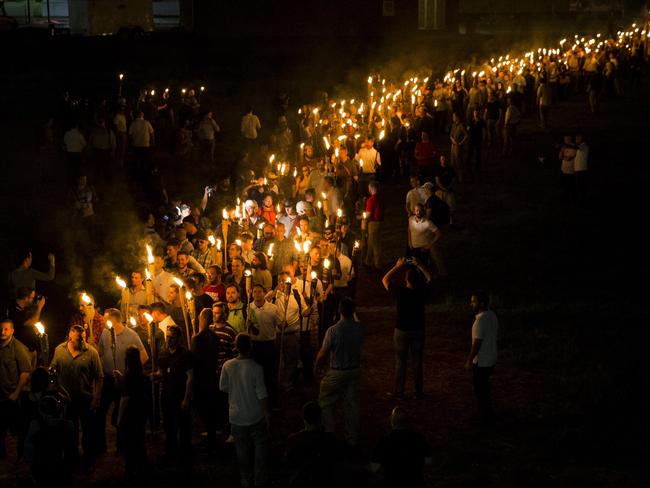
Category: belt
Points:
column 345, row 369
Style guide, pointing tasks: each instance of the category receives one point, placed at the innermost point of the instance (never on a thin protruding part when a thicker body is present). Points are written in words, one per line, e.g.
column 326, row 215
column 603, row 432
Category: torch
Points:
column 326, row 209
column 191, row 307
column 184, row 309
column 111, row 330
column 44, row 343
column 287, row 293
column 126, row 296
column 85, row 299
column 337, row 222
column 215, row 250
column 154, row 366
column 269, row 252
column 149, row 273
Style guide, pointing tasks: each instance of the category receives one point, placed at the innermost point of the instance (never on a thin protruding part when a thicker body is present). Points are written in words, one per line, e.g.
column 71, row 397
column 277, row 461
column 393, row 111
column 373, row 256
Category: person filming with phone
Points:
column 411, row 297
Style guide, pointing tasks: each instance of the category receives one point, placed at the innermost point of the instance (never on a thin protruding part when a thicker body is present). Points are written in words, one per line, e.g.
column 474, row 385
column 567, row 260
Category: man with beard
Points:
column 79, row 373
column 215, row 289
column 236, row 309
column 483, row 353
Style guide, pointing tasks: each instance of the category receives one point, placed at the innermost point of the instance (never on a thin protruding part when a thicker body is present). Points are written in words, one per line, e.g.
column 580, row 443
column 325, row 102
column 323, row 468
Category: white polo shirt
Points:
column 264, row 318
column 422, row 231
column 485, row 327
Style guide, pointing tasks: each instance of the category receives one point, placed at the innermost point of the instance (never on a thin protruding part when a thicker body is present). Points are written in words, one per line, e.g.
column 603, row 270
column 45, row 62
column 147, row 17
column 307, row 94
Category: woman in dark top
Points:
column 132, row 417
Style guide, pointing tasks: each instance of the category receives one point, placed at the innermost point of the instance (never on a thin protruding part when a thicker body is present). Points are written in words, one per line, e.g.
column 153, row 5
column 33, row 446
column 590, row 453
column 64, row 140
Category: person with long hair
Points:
column 132, row 414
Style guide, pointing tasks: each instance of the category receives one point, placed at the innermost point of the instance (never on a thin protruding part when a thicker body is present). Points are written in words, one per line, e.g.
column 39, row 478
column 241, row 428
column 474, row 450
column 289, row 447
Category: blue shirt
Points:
column 122, row 342
column 343, row 340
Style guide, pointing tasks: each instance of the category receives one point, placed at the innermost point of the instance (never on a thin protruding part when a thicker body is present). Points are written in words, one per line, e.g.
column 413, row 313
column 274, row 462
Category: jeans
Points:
column 252, row 445
column 405, row 342
column 337, row 383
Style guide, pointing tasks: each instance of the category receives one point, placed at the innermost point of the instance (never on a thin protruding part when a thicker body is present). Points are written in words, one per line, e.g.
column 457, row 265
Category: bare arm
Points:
column 476, row 345
column 387, row 277
column 189, row 384
column 23, row 379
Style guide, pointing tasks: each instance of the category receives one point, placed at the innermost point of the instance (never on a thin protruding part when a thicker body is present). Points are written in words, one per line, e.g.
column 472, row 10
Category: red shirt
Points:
column 375, row 207
column 216, row 292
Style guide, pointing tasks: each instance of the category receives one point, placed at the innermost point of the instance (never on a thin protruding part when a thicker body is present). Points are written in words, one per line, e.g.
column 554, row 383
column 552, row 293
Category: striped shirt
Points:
column 226, row 336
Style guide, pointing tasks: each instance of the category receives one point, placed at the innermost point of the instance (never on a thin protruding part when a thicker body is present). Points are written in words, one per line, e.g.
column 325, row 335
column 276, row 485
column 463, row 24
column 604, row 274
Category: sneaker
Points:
column 230, row 439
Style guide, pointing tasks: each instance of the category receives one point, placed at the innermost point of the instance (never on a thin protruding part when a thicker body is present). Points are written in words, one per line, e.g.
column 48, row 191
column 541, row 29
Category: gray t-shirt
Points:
column 343, row 340
column 77, row 374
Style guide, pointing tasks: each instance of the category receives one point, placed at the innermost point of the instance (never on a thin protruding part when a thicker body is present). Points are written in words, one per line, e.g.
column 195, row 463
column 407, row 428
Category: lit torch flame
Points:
column 40, row 327
column 120, row 282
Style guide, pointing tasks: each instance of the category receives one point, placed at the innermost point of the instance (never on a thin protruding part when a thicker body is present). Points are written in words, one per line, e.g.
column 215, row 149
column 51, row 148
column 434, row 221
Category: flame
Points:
column 188, row 295
column 224, row 214
column 305, row 246
column 356, row 244
column 147, row 274
column 248, row 273
column 365, row 215
column 270, row 251
column 382, row 134
column 121, row 76
column 153, row 92
column 133, row 321
column 326, row 263
column 288, row 280
column 296, row 244
column 339, row 213
column 179, row 282
column 85, row 298
column 148, row 316
column 109, row 324
column 319, row 204
column 327, row 142
column 212, row 240
column 40, row 327
column 271, row 158
column 238, row 242
column 360, row 162
column 149, row 254
column 313, row 275
column 218, row 244
column 120, row 282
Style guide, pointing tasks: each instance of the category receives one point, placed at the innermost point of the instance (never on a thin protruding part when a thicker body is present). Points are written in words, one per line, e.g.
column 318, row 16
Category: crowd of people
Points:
column 248, row 292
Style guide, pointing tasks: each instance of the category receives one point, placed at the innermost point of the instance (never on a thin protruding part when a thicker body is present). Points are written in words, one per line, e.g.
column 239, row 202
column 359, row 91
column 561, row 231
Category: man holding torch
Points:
column 113, row 343
column 291, row 306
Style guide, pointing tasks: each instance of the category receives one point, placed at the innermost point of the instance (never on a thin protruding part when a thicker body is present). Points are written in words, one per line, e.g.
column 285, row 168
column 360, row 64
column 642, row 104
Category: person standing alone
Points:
column 483, row 354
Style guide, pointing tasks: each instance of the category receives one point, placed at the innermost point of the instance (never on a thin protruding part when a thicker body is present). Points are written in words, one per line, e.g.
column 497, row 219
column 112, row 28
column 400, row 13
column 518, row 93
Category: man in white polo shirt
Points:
column 423, row 236
column 483, row 353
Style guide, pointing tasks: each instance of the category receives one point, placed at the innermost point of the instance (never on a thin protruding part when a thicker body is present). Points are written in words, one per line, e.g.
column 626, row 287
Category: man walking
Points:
column 342, row 343
column 243, row 379
column 483, row 354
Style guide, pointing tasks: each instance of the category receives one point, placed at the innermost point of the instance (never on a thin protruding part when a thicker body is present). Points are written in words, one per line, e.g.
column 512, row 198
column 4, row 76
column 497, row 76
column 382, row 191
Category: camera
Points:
column 38, row 298
column 211, row 190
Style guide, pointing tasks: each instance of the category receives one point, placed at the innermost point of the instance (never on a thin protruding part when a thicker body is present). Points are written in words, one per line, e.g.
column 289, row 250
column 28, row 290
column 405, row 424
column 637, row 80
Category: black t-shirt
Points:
column 201, row 302
column 410, row 308
column 24, row 333
column 205, row 349
column 439, row 211
column 492, row 109
column 313, row 457
column 476, row 128
column 401, row 454
column 174, row 367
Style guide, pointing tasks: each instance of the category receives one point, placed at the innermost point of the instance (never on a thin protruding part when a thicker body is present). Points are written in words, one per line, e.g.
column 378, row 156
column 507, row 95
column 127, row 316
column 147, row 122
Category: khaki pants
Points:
column 373, row 254
column 337, row 383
